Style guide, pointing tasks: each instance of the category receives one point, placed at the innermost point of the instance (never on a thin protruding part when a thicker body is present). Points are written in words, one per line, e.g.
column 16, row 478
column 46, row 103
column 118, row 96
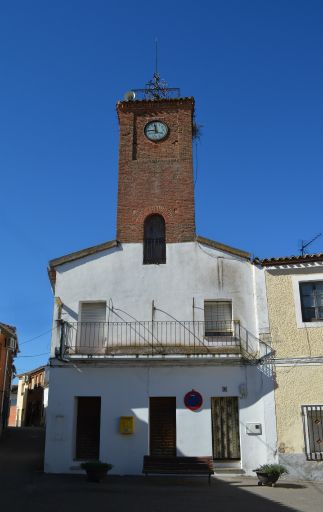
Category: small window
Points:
column 313, row 431
column 312, row 300
column 154, row 240
column 218, row 318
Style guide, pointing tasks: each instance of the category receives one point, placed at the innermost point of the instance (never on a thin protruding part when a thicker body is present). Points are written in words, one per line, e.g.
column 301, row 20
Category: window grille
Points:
column 154, row 240
column 218, row 318
column 313, row 431
column 312, row 300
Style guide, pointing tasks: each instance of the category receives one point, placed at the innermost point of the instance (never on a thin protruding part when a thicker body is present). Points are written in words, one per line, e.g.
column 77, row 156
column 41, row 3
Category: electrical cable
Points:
column 36, row 355
column 113, row 310
column 38, row 336
column 182, row 324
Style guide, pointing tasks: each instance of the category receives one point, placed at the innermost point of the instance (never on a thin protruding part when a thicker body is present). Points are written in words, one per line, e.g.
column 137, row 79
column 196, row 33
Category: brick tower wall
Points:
column 156, row 177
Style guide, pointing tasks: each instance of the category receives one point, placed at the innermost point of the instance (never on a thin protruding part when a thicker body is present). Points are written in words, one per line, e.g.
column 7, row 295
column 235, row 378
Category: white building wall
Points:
column 125, row 391
column 118, row 277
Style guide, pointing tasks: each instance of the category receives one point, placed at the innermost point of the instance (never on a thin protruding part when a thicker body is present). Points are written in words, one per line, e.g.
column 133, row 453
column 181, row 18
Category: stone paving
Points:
column 24, row 487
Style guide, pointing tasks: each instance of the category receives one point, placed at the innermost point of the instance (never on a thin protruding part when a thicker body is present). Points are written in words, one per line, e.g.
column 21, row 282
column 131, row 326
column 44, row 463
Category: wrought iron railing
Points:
column 150, row 93
column 158, row 338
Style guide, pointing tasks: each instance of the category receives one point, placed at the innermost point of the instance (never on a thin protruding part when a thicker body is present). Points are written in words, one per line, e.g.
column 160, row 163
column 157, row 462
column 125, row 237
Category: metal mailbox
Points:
column 127, row 425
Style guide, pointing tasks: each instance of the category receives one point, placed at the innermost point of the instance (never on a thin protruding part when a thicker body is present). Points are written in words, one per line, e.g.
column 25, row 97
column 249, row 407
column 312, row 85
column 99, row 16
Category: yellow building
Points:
column 295, row 306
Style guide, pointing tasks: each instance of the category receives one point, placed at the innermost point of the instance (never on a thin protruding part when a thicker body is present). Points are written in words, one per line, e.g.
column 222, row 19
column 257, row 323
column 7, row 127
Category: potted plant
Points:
column 268, row 474
column 96, row 470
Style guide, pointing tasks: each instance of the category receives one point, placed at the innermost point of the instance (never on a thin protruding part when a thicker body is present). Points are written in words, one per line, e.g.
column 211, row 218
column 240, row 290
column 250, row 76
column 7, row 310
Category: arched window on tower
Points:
column 154, row 240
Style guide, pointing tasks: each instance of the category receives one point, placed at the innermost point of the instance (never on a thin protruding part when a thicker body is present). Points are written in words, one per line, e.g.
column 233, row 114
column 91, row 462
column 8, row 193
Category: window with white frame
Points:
column 218, row 317
column 313, row 431
column 311, row 293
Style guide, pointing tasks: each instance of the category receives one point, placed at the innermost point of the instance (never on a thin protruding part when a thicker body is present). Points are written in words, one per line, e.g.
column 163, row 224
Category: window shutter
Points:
column 93, row 312
column 92, row 327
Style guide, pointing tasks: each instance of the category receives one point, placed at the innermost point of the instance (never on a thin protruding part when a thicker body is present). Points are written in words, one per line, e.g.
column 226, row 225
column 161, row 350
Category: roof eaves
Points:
column 288, row 260
column 30, row 372
column 9, row 330
column 81, row 254
column 159, row 100
column 123, row 104
column 223, row 247
column 52, row 277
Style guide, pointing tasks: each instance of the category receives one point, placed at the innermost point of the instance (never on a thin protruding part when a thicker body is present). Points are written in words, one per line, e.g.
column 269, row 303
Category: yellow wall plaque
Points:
column 127, row 424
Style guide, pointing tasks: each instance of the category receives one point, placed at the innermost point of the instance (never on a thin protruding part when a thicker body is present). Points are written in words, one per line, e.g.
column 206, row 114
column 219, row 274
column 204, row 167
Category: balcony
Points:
column 157, row 339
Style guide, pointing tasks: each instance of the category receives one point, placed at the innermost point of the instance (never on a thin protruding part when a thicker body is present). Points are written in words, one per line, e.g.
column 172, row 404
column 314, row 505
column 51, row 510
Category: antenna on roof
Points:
column 305, row 244
column 157, row 88
column 156, row 55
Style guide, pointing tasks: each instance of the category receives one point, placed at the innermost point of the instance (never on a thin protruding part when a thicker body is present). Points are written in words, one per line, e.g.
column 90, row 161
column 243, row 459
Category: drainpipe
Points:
column 193, row 306
column 152, row 325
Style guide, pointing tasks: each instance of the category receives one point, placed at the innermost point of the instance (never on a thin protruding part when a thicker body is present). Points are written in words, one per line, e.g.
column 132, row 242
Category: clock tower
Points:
column 156, row 168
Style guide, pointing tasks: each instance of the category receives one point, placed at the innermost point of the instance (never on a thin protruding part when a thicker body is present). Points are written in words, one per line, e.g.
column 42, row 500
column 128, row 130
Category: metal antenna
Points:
column 156, row 56
column 305, row 244
column 157, row 88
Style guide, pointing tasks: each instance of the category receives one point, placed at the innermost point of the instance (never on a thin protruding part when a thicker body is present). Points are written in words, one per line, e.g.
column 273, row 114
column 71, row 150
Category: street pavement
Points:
column 25, row 488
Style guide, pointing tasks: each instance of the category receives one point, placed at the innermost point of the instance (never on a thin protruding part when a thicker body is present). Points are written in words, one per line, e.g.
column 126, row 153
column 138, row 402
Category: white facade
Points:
column 193, row 273
column 125, row 391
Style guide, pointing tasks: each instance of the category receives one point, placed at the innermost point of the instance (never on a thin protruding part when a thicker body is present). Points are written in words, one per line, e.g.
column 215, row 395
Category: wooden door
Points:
column 162, row 426
column 225, row 428
column 88, row 427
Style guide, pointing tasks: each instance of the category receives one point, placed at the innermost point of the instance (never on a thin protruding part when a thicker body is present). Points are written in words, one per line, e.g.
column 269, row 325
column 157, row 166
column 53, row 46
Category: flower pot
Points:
column 96, row 475
column 267, row 478
column 96, row 471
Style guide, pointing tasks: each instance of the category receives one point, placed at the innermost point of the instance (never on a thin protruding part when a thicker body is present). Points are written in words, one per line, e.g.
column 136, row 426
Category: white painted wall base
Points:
column 125, row 391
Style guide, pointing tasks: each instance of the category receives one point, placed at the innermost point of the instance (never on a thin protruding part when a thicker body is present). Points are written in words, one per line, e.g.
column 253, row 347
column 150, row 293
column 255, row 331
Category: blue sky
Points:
column 255, row 69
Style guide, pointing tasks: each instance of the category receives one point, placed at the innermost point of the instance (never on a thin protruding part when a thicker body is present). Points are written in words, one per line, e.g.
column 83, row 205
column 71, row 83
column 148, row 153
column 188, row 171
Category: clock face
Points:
column 156, row 130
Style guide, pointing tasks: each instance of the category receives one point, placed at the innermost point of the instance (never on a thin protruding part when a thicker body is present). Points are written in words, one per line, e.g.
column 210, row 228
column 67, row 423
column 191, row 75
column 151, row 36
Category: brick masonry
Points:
column 156, row 177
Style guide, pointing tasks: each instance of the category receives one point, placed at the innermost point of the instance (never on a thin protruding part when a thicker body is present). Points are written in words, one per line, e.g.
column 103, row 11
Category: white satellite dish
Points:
column 129, row 96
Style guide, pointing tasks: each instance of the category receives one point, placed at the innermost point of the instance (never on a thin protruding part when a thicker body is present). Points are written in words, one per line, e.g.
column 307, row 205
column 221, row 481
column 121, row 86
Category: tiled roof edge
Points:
column 285, row 260
column 32, row 371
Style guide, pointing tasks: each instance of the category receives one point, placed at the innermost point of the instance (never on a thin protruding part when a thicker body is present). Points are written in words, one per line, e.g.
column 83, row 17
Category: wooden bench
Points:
column 178, row 466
